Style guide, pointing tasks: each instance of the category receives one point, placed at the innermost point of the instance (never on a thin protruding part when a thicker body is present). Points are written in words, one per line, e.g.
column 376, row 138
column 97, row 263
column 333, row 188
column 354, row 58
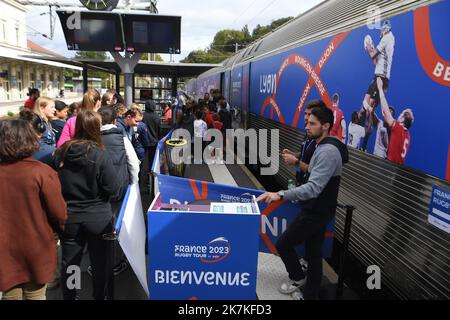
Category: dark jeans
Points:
column 309, row 229
column 146, row 169
column 73, row 240
column 200, row 145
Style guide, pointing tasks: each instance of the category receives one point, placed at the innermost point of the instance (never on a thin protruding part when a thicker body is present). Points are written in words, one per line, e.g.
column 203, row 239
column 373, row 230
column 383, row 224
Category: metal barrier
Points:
column 111, row 238
column 345, row 245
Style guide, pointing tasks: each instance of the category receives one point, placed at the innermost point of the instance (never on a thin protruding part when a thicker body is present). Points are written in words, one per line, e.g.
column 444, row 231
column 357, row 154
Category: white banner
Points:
column 132, row 235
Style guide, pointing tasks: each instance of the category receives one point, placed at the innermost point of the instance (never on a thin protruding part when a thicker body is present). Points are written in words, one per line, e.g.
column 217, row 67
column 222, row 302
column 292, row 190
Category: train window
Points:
column 257, row 47
column 247, row 51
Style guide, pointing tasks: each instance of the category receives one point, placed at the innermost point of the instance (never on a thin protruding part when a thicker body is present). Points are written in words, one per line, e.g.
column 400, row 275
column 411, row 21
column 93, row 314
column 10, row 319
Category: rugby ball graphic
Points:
column 368, row 42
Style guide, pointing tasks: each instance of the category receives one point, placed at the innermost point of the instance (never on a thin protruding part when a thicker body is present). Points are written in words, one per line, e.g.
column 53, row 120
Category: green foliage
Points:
column 10, row 114
column 260, row 31
column 247, row 35
column 147, row 57
column 71, row 73
column 224, row 42
column 206, row 56
column 276, row 23
column 90, row 55
column 97, row 56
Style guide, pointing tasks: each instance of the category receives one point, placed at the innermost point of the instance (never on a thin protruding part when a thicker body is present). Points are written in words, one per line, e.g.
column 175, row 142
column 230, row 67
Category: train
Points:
column 324, row 53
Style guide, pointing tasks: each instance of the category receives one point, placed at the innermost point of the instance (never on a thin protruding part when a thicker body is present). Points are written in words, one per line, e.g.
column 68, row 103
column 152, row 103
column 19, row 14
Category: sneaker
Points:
column 297, row 295
column 291, row 286
column 89, row 270
column 121, row 267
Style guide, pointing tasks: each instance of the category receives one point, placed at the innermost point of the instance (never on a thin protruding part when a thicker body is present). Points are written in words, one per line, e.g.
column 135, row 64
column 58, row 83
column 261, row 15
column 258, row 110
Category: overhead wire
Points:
column 242, row 13
column 260, row 12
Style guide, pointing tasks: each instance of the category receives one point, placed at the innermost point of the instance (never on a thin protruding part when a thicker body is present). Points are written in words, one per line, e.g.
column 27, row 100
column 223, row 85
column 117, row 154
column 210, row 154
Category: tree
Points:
column 147, row 57
column 226, row 40
column 97, row 55
column 277, row 23
column 100, row 55
column 247, row 35
column 260, row 31
column 70, row 73
column 206, row 56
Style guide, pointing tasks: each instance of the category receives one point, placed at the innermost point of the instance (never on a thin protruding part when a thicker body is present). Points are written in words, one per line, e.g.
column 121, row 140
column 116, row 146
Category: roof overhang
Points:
column 152, row 68
column 12, row 54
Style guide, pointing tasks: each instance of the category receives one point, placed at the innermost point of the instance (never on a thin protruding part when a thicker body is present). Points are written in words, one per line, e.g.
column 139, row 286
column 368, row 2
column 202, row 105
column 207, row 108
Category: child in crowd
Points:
column 200, row 126
column 217, row 124
column 168, row 113
column 126, row 166
column 120, row 111
column 209, row 118
column 39, row 118
column 74, row 107
column 89, row 182
column 32, row 208
column 216, row 156
column 58, row 121
column 200, row 129
column 91, row 101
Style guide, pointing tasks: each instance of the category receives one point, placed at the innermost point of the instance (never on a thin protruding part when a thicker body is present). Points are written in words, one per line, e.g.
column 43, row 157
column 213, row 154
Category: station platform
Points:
column 235, row 175
column 271, row 271
column 15, row 106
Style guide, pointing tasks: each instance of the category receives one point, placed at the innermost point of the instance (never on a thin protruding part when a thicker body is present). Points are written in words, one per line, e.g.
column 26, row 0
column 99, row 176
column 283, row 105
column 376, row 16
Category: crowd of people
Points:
column 197, row 117
column 68, row 167
column 65, row 170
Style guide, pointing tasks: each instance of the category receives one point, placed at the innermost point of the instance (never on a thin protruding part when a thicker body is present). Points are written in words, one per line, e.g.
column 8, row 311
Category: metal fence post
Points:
column 111, row 238
column 345, row 244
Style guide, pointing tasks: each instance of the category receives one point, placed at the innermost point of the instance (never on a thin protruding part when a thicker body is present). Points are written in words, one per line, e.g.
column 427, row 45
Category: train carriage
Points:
column 324, row 54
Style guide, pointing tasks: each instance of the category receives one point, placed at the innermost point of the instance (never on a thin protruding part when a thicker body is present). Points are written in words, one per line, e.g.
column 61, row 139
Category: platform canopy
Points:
column 153, row 68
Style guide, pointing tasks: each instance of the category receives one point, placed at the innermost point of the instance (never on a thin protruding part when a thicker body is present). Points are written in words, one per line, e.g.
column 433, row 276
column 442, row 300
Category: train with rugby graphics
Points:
column 399, row 170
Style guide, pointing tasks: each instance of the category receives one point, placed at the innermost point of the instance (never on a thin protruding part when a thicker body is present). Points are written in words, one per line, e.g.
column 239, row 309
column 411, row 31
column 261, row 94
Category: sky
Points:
column 201, row 20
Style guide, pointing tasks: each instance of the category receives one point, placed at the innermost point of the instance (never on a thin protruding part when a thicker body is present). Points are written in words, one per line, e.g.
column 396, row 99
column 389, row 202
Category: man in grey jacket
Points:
column 319, row 199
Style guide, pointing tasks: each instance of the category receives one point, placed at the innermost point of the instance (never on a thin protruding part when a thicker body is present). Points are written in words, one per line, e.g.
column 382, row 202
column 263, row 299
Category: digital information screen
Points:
column 152, row 33
column 102, row 31
column 93, row 32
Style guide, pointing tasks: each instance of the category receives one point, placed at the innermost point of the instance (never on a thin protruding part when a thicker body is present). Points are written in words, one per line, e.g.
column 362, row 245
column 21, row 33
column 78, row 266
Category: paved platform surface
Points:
column 15, row 106
column 271, row 271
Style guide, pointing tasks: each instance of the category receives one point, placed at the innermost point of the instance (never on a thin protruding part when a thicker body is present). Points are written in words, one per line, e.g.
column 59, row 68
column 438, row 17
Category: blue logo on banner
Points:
column 218, row 250
column 215, row 256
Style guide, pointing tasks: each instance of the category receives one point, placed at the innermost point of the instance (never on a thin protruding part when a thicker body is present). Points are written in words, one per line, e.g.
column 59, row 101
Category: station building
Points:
column 18, row 70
